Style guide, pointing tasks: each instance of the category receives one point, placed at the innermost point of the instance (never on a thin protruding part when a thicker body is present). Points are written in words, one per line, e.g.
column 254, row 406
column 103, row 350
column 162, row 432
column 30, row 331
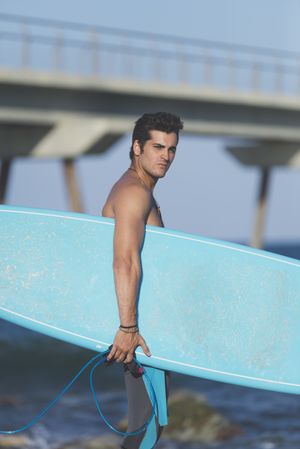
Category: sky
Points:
column 206, row 191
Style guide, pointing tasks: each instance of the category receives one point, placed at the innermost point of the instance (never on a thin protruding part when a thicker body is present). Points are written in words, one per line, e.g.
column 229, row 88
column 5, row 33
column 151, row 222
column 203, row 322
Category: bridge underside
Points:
column 60, row 116
column 44, row 115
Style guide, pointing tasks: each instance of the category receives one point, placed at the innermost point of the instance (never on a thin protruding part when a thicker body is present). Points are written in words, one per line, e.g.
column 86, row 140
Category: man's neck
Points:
column 147, row 180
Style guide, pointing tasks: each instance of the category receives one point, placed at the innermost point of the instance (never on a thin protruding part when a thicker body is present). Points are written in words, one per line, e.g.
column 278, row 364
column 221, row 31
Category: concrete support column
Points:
column 265, row 155
column 257, row 237
column 4, row 178
column 72, row 185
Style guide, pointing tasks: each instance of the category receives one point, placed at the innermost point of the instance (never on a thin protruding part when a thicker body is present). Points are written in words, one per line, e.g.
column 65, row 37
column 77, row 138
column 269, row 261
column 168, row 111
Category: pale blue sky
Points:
column 206, row 191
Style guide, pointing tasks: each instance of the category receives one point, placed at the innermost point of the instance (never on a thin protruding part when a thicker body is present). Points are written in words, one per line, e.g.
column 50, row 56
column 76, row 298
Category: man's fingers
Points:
column 145, row 347
column 112, row 353
column 121, row 358
column 129, row 357
column 116, row 354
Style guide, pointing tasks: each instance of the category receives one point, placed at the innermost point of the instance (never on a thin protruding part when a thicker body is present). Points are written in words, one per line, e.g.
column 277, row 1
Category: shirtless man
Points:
column 132, row 205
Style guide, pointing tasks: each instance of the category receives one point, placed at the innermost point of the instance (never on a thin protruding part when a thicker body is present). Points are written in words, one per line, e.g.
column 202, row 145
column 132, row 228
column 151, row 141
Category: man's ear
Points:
column 136, row 148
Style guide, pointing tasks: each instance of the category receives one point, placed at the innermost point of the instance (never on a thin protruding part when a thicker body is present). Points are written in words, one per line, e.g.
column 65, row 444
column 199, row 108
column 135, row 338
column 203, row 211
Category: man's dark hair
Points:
column 158, row 121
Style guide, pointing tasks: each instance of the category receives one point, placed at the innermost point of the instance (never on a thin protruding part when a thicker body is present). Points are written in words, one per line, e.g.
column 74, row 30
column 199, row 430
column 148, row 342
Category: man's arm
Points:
column 131, row 210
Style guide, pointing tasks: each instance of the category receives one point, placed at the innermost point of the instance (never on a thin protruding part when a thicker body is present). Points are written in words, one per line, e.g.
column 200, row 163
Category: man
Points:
column 132, row 205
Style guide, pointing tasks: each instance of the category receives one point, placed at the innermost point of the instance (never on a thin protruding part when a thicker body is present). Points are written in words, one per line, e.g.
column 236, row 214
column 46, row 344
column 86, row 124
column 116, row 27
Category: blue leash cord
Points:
column 153, row 402
column 95, row 361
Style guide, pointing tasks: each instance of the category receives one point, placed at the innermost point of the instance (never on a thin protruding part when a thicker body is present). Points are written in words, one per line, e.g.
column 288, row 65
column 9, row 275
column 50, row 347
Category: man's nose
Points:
column 165, row 154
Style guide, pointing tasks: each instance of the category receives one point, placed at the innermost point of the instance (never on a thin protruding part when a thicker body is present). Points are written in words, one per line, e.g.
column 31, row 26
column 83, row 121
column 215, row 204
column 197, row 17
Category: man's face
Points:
column 158, row 153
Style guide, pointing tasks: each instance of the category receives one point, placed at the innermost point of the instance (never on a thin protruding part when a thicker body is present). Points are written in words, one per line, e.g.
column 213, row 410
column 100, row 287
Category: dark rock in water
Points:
column 193, row 420
column 109, row 441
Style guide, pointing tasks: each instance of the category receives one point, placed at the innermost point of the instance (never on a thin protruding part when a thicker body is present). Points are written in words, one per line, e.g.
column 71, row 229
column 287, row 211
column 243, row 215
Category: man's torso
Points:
column 120, row 187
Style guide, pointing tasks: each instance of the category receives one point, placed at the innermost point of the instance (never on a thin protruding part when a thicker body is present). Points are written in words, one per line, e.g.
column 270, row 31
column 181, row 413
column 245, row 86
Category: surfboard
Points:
column 207, row 308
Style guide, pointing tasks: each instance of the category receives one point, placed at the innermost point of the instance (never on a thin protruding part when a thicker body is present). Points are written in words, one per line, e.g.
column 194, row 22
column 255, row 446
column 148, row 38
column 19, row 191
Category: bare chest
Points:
column 154, row 217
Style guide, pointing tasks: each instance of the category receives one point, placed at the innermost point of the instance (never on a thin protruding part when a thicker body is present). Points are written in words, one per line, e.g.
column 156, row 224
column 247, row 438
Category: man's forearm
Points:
column 127, row 280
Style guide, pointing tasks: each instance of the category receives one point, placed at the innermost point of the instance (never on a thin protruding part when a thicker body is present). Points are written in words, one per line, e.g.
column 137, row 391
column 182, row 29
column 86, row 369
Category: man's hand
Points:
column 125, row 345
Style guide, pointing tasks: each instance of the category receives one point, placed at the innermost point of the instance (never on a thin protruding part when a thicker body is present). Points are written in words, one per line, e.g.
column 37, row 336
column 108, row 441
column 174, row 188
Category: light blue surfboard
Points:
column 207, row 308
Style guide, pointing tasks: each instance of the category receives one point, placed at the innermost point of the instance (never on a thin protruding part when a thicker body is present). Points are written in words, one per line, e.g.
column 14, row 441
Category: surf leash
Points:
column 94, row 363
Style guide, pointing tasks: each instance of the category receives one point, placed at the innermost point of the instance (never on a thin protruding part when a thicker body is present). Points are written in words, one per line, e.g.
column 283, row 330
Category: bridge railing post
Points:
column 256, row 76
column 232, row 72
column 109, row 64
column 183, row 69
column 58, row 51
column 207, row 69
column 279, row 78
column 95, row 48
column 26, row 42
column 157, row 64
column 124, row 61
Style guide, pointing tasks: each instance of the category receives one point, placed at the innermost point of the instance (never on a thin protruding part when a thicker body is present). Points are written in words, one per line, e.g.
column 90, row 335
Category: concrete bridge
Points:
column 70, row 89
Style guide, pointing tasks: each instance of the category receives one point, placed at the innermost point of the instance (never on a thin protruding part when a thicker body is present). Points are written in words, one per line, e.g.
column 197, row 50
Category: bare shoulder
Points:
column 128, row 197
column 131, row 198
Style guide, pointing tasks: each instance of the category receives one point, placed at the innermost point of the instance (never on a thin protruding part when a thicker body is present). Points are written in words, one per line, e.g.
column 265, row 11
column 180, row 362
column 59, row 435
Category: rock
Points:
column 14, row 442
column 193, row 420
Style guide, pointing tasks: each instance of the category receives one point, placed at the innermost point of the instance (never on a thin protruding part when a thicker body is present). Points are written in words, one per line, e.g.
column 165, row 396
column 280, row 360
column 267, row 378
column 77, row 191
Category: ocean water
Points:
column 34, row 368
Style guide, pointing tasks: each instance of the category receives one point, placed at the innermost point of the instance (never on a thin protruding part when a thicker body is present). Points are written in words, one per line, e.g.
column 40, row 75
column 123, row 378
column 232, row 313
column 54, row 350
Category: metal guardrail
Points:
column 97, row 51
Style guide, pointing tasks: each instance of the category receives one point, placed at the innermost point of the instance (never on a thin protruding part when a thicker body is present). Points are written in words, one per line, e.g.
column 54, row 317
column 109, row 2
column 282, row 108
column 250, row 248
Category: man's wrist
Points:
column 129, row 329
